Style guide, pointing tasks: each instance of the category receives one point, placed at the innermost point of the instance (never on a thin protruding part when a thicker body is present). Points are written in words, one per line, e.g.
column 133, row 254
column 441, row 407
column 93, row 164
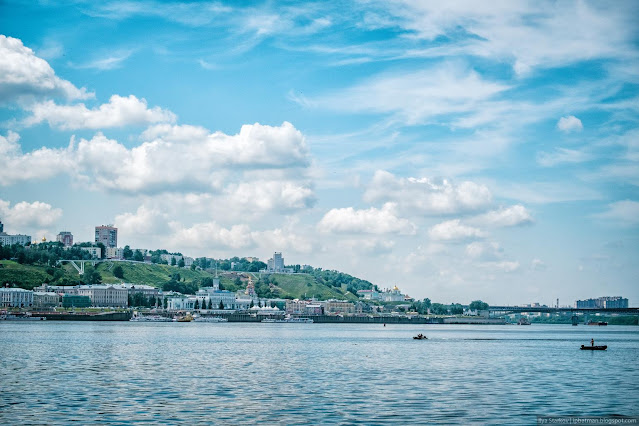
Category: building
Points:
column 45, row 299
column 393, row 295
column 107, row 235
column 114, row 253
column 607, row 302
column 276, row 263
column 75, row 301
column 95, row 252
column 15, row 297
column 369, row 294
column 9, row 240
column 168, row 258
column 66, row 238
column 188, row 261
column 333, row 306
column 252, row 259
column 105, row 295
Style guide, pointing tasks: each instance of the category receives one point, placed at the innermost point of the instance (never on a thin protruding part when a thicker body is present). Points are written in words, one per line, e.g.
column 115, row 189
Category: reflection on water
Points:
column 58, row 372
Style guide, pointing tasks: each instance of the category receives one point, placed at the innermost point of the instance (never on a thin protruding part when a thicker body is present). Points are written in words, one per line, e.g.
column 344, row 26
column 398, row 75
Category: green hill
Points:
column 290, row 286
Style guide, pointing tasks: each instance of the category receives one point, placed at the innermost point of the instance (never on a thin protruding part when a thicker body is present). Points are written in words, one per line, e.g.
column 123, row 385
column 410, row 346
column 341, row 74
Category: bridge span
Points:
column 549, row 310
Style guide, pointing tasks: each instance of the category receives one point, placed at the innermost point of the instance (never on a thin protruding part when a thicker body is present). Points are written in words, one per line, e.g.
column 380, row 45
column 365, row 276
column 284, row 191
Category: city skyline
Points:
column 449, row 149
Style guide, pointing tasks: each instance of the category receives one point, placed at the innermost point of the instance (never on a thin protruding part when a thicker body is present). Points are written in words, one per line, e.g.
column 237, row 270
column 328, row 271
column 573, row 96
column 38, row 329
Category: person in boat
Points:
column 592, row 342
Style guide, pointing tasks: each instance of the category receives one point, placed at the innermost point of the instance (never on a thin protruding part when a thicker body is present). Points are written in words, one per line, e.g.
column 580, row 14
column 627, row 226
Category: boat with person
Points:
column 593, row 348
column 420, row 336
column 523, row 321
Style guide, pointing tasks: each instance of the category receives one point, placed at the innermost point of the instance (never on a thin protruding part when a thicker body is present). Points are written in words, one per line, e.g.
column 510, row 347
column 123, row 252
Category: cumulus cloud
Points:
column 209, row 235
column 427, row 196
column 516, row 215
column 177, row 158
column 119, row 111
column 28, row 215
column 24, row 74
column 454, row 230
column 569, row 124
column 624, row 213
column 537, row 265
column 145, row 221
column 264, row 195
column 368, row 221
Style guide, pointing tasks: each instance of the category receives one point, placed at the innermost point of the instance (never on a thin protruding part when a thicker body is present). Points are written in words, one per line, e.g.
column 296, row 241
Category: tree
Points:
column 173, row 261
column 166, row 303
column 237, row 282
column 252, row 304
column 127, row 253
column 210, row 303
column 181, row 262
column 221, row 305
column 118, row 272
column 478, row 305
column 102, row 250
column 138, row 256
column 197, row 304
column 207, row 282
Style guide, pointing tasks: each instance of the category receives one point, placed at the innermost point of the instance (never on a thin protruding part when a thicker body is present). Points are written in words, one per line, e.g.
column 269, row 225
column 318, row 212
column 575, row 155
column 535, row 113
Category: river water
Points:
column 236, row 373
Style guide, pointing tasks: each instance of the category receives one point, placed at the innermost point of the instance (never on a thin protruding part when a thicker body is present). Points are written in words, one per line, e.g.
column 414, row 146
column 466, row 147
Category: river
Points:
column 57, row 372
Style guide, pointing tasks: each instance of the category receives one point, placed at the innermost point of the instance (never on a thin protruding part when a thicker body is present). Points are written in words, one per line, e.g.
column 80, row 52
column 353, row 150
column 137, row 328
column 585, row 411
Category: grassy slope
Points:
column 145, row 273
column 299, row 285
column 295, row 286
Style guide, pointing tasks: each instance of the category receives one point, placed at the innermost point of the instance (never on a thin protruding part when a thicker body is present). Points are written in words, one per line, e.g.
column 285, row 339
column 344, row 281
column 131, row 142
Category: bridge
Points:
column 549, row 310
column 93, row 262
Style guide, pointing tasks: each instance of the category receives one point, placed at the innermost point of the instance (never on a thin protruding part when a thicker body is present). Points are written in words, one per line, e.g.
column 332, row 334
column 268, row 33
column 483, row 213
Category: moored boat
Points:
column 596, row 323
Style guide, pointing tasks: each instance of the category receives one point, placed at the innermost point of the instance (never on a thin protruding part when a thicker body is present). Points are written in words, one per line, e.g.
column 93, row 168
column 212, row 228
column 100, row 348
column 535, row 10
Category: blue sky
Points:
column 457, row 151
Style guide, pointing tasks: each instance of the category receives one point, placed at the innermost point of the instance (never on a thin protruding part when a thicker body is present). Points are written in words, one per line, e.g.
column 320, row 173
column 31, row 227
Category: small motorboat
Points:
column 420, row 336
column 593, row 348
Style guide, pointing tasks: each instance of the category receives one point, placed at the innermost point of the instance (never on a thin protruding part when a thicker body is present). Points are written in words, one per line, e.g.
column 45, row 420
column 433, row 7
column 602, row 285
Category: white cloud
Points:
column 369, row 221
column 120, row 111
column 210, row 235
column 562, row 156
column 28, row 215
column 454, row 230
column 527, row 34
column 36, row 165
column 506, row 216
column 109, row 62
column 23, row 74
column 484, row 250
column 414, row 97
column 537, row 265
column 178, row 158
column 367, row 246
column 145, row 221
column 503, row 266
column 624, row 213
column 569, row 124
column 427, row 196
column 264, row 195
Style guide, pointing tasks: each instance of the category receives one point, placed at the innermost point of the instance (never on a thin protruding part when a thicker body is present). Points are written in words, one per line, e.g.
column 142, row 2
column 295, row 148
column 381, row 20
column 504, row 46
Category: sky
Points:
column 456, row 150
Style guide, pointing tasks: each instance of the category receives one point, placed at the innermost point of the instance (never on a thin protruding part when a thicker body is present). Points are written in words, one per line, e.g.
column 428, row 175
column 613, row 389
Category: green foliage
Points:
column 180, row 286
column 221, row 305
column 118, row 272
column 206, row 282
column 138, row 256
column 173, row 261
column 181, row 263
column 127, row 253
column 478, row 305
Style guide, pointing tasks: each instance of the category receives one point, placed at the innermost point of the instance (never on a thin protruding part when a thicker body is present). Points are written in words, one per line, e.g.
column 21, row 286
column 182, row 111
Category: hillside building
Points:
column 107, row 235
column 66, row 238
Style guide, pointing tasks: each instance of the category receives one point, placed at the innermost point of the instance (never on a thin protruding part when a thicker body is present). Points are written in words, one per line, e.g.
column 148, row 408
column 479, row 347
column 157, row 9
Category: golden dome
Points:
column 395, row 288
column 44, row 239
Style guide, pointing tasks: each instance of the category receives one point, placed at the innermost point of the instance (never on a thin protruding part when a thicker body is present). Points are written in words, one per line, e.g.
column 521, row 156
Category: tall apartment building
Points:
column 66, row 238
column 276, row 263
column 603, row 302
column 107, row 235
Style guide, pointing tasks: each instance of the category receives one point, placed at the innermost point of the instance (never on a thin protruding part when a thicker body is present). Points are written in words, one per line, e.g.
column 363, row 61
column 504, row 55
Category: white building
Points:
column 393, row 295
column 15, row 297
column 369, row 294
column 45, row 299
column 114, row 253
column 96, row 252
column 8, row 240
column 105, row 295
column 168, row 258
column 188, row 261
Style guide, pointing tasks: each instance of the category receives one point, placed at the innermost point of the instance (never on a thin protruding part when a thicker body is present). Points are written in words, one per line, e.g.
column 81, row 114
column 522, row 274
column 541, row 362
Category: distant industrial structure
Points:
column 8, row 240
column 614, row 302
column 107, row 235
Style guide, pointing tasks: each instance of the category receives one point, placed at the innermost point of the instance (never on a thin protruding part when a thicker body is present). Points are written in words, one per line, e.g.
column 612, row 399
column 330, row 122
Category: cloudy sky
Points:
column 456, row 150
